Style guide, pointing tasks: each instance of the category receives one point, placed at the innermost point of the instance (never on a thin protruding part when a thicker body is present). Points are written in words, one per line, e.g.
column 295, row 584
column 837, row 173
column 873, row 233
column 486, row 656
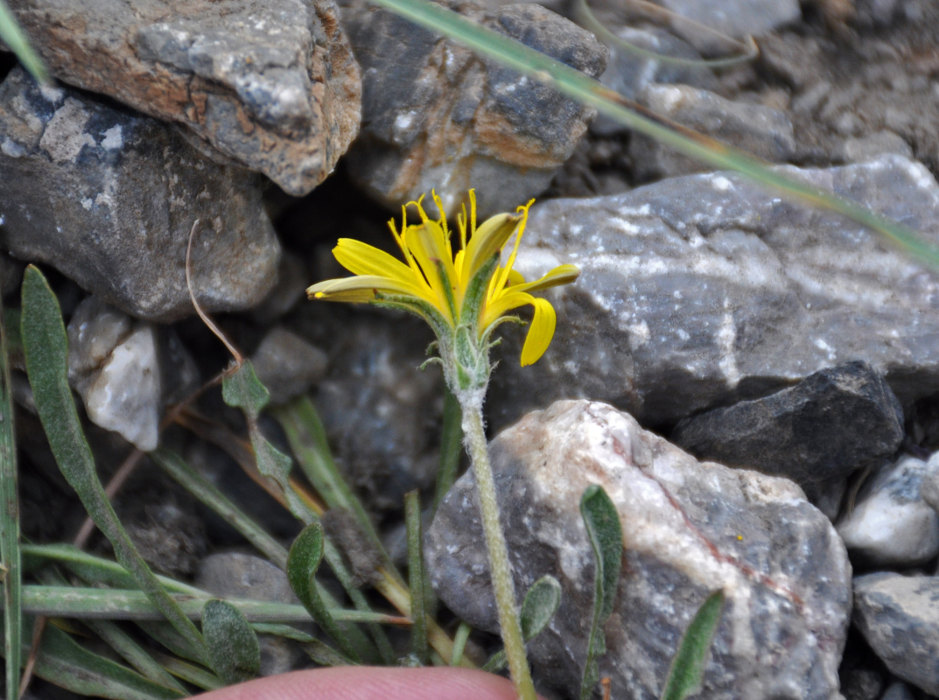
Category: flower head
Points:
column 467, row 292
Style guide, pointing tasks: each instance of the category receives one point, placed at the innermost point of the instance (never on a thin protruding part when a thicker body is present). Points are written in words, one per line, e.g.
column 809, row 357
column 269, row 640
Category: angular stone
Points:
column 702, row 290
column 689, row 528
column 272, row 85
column 897, row 615
column 762, row 131
column 287, row 364
column 109, row 197
column 437, row 117
column 818, row 432
column 891, row 524
column 114, row 367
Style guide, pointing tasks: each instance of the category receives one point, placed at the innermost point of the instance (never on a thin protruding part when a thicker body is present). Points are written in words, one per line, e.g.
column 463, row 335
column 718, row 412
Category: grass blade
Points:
column 593, row 93
column 68, row 665
column 451, row 447
column 412, row 520
column 12, row 35
column 9, row 526
column 135, row 655
column 687, row 669
column 232, row 644
column 606, row 539
column 46, row 351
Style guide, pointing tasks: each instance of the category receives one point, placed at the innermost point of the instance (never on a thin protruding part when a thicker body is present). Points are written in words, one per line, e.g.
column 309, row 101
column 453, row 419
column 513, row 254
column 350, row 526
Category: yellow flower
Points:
column 466, row 290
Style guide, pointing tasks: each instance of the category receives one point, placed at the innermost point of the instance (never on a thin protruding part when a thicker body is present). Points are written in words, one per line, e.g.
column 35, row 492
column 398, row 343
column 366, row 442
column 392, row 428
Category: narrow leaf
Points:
column 232, row 644
column 451, row 446
column 128, row 649
column 9, row 524
column 68, row 665
column 540, row 603
column 303, row 560
column 412, row 520
column 606, row 539
column 12, row 35
column 687, row 670
column 46, row 352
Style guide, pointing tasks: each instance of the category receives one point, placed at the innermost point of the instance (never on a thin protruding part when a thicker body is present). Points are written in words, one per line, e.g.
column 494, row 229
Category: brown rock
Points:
column 271, row 85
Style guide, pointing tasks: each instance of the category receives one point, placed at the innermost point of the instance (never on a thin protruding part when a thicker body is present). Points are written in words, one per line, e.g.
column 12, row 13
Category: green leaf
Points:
column 451, row 446
column 232, row 644
column 13, row 36
column 687, row 670
column 412, row 520
column 45, row 347
column 68, row 665
column 303, row 560
column 539, row 606
column 242, row 389
column 10, row 556
column 606, row 539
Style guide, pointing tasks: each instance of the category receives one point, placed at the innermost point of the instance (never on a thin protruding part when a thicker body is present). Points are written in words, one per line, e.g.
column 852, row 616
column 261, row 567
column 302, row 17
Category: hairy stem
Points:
column 475, row 439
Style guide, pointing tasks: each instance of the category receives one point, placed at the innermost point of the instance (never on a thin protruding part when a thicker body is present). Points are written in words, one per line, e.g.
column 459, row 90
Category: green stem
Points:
column 502, row 585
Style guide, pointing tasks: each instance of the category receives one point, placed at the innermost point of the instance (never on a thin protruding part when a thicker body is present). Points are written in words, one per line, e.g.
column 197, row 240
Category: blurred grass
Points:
column 12, row 35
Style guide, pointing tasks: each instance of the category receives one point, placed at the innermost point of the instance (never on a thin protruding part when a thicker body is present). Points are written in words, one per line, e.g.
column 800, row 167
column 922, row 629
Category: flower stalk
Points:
column 463, row 296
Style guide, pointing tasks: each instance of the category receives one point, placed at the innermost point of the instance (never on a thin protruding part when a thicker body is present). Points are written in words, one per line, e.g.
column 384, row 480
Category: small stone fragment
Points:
column 435, row 116
column 689, row 529
column 109, row 198
column 897, row 615
column 114, row 367
column 817, row 433
column 287, row 364
column 891, row 524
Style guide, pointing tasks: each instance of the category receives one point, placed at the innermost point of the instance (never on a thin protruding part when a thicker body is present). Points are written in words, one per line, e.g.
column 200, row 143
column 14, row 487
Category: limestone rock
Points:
column 434, row 116
column 272, row 85
column 817, row 433
column 113, row 365
column 689, row 528
column 897, row 616
column 891, row 524
column 109, row 197
column 703, row 290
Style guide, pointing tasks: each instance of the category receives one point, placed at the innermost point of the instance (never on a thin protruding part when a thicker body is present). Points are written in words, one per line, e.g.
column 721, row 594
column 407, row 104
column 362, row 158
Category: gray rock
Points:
column 271, row 85
column 113, row 365
column 897, row 616
column 898, row 691
column 702, row 290
column 689, row 528
column 930, row 487
column 238, row 575
column 437, row 117
column 109, row 197
column 856, row 150
column 287, row 364
column 891, row 525
column 817, row 433
column 170, row 538
column 762, row 131
column 861, row 684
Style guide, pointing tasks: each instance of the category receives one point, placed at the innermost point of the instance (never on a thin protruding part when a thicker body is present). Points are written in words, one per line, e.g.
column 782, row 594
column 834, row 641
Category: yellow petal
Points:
column 540, row 332
column 363, row 259
column 486, row 241
column 562, row 274
column 426, row 243
column 360, row 288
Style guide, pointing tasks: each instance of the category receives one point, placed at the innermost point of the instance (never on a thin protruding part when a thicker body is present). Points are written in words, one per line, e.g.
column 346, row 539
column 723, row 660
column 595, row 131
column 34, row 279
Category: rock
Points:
column 762, row 131
column 898, row 691
column 897, row 616
column 109, row 197
column 929, row 491
column 170, row 538
column 856, row 150
column 817, row 433
column 689, row 528
column 861, row 684
column 287, row 364
column 270, row 85
column 703, row 290
column 437, row 117
column 891, row 525
column 113, row 366
column 238, row 575
column 736, row 18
